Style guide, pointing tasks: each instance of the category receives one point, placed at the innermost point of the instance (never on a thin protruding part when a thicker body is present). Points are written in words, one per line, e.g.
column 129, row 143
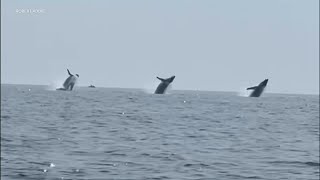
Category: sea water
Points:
column 109, row 133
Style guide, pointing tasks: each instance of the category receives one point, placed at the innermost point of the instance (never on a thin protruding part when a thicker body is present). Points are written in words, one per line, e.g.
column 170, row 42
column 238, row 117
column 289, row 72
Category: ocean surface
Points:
column 110, row 133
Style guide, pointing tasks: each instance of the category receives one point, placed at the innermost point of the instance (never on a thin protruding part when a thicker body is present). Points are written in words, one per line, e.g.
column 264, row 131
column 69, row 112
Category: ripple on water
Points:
column 127, row 134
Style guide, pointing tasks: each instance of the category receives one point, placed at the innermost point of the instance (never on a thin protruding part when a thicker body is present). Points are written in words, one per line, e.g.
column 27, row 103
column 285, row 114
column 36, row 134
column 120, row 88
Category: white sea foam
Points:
column 244, row 92
column 149, row 88
column 55, row 84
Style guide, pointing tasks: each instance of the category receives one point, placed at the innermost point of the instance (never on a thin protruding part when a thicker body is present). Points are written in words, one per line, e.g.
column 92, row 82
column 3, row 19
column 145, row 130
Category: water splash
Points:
column 55, row 84
column 58, row 84
column 243, row 92
column 150, row 87
column 52, row 165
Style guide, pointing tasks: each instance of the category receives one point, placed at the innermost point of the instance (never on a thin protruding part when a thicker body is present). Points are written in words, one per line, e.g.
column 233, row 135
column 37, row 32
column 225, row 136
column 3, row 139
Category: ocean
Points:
column 114, row 133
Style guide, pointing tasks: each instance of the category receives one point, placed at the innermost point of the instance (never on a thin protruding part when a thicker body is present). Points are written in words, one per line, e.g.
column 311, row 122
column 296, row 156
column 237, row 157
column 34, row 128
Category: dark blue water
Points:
column 106, row 133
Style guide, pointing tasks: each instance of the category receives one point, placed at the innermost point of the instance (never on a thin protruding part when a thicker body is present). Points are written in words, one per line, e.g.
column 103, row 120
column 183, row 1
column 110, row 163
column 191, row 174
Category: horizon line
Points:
column 173, row 89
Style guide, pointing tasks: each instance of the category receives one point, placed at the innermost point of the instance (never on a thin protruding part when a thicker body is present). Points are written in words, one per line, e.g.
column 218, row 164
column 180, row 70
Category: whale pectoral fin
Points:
column 254, row 87
column 69, row 72
column 160, row 79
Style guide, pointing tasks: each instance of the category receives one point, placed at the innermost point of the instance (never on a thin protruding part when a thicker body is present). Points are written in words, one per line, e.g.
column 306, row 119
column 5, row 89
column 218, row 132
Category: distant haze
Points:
column 216, row 45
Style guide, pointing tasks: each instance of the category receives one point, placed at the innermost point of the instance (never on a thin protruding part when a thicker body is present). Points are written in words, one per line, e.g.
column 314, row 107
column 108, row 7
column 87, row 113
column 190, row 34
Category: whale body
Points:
column 162, row 87
column 69, row 82
column 258, row 90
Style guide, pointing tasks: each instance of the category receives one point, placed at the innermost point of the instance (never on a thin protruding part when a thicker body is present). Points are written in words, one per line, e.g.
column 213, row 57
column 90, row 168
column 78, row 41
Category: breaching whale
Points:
column 257, row 90
column 161, row 89
column 69, row 82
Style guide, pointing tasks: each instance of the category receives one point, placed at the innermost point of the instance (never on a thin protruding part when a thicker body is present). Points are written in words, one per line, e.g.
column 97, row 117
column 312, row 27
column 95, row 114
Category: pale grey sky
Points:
column 218, row 45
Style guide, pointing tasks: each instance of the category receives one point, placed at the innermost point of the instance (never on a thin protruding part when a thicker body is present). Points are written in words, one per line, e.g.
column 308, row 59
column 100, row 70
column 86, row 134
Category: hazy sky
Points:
column 218, row 45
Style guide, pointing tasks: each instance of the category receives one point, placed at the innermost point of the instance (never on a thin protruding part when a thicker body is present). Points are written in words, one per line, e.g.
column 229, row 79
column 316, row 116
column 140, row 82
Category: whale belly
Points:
column 69, row 82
